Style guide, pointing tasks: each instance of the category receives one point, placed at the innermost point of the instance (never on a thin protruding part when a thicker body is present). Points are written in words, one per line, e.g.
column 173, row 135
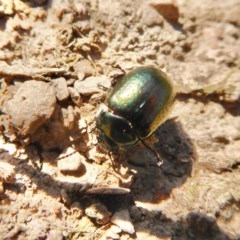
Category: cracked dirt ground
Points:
column 57, row 60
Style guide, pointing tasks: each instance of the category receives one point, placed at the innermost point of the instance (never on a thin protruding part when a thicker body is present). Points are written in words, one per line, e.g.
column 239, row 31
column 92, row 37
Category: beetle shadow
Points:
column 176, row 149
column 153, row 223
column 174, row 146
column 147, row 222
column 193, row 226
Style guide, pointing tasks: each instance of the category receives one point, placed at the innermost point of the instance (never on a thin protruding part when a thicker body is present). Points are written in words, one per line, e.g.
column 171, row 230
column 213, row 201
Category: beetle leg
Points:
column 67, row 155
column 155, row 153
column 115, row 164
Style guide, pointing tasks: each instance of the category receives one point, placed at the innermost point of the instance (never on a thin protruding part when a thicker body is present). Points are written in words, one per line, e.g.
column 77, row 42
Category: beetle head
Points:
column 114, row 130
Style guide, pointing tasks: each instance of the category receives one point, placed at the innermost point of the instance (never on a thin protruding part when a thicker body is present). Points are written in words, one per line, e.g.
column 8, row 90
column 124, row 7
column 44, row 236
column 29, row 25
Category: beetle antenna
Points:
column 67, row 155
column 117, row 76
column 114, row 163
column 157, row 156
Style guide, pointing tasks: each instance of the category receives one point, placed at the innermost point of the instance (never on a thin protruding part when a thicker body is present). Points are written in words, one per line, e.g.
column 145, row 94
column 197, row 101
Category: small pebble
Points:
column 122, row 219
column 83, row 69
column 115, row 229
column 99, row 212
column 92, row 85
column 75, row 96
column 167, row 8
column 61, row 89
column 72, row 163
column 76, row 210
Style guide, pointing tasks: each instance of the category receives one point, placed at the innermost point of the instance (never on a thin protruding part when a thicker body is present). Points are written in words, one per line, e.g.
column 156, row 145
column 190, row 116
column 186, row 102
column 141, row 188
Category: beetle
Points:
column 135, row 108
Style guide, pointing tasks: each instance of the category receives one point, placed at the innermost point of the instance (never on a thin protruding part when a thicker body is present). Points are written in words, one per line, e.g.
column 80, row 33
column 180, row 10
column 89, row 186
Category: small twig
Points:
column 21, row 71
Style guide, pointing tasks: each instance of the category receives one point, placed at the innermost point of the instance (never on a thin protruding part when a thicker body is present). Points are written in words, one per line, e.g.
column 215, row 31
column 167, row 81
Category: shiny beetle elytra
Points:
column 135, row 107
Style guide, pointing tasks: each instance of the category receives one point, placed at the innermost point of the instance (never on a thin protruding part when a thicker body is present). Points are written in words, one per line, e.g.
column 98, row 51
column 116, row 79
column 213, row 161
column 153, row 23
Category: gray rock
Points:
column 122, row 219
column 61, row 89
column 75, row 96
column 31, row 106
column 92, row 85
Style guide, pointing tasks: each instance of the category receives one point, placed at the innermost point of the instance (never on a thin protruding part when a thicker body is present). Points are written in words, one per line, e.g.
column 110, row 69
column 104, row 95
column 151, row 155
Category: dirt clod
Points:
column 31, row 106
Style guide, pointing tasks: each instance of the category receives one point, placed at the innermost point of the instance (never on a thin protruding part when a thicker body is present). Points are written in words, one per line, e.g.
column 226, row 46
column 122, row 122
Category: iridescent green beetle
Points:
column 135, row 108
